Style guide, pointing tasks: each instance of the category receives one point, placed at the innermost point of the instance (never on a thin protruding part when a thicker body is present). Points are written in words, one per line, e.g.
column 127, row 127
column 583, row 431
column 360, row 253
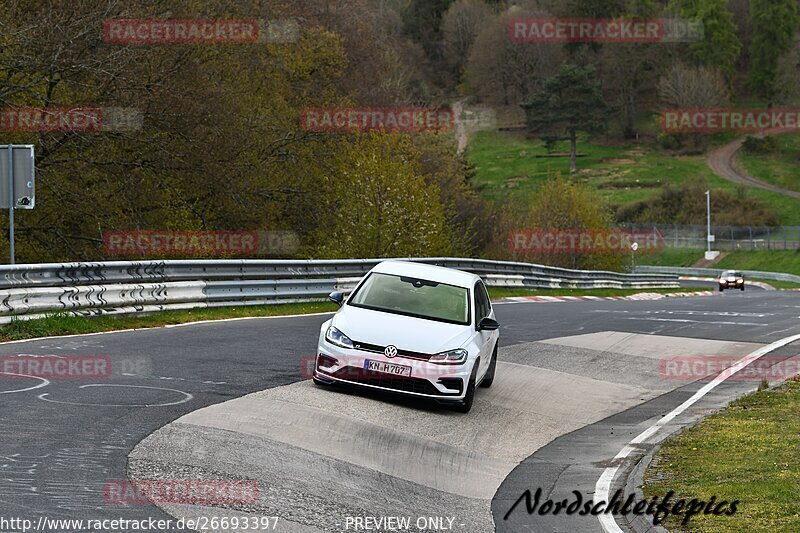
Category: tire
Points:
column 721, row 288
column 742, row 288
column 469, row 397
column 488, row 379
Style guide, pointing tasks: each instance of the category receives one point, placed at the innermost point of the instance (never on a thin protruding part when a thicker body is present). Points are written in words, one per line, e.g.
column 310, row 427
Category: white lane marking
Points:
column 186, row 399
column 603, row 487
column 162, row 327
column 167, row 378
column 42, row 356
column 686, row 320
column 44, row 383
column 682, row 312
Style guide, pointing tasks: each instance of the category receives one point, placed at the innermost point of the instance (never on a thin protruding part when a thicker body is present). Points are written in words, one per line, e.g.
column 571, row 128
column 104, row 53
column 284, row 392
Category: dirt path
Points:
column 723, row 162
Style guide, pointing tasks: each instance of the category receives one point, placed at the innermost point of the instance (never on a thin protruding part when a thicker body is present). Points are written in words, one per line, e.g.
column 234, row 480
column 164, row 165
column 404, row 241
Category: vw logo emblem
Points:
column 390, row 351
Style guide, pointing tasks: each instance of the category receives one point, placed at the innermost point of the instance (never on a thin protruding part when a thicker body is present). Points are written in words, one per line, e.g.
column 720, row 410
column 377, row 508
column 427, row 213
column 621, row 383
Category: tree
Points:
column 687, row 87
column 375, row 202
column 506, row 73
column 221, row 146
column 460, row 26
column 561, row 204
column 720, row 46
column 570, row 102
column 788, row 80
column 422, row 22
column 773, row 23
column 468, row 214
column 692, row 87
column 629, row 70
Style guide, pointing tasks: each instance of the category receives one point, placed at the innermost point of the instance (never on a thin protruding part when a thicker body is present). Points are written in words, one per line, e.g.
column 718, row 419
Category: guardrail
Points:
column 716, row 272
column 29, row 291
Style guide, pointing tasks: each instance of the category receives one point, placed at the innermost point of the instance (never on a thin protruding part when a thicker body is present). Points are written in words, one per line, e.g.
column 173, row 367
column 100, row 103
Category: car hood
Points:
column 407, row 333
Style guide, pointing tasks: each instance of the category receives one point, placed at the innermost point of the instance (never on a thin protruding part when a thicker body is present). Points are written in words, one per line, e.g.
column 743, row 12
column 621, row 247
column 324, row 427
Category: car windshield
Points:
column 413, row 297
column 732, row 274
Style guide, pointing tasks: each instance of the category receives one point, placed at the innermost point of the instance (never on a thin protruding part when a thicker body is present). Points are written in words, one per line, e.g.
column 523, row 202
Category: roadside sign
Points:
column 23, row 172
column 16, row 184
column 635, row 246
column 711, row 238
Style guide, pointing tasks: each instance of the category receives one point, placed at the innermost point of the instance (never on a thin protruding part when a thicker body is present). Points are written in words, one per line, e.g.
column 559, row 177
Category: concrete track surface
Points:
column 230, row 400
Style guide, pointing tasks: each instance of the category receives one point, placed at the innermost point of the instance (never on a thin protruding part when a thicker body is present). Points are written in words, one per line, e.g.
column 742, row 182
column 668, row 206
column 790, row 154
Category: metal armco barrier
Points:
column 716, row 272
column 29, row 291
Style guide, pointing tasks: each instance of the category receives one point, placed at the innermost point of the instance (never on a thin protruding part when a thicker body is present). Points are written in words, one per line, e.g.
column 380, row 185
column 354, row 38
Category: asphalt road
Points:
column 568, row 371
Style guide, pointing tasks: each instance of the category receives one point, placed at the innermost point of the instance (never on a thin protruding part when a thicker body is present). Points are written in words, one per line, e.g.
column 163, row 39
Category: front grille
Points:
column 375, row 348
column 379, row 379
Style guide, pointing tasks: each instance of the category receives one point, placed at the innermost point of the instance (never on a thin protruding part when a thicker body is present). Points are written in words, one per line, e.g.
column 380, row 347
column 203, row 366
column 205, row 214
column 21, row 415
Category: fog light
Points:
column 326, row 361
column 452, row 383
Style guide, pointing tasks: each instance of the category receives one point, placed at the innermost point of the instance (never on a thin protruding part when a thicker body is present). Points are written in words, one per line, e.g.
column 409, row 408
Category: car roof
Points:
column 438, row 274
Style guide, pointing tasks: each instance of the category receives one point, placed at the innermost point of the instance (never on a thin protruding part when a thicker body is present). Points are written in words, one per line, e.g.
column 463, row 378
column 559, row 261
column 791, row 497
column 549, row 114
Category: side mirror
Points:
column 337, row 297
column 488, row 324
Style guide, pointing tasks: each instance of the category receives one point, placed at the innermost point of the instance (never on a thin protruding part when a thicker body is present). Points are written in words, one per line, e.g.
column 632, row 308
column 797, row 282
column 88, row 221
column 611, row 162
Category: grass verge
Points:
column 748, row 452
column 61, row 324
column 779, row 167
column 787, row 261
column 677, row 257
column 764, row 260
column 509, row 166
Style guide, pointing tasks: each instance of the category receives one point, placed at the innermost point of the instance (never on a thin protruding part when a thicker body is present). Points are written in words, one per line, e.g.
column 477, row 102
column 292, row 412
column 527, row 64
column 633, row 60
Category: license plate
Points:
column 387, row 368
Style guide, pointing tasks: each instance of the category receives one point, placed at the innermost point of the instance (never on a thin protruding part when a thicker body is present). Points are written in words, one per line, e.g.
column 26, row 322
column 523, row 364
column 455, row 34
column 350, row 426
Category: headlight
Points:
column 337, row 338
column 452, row 357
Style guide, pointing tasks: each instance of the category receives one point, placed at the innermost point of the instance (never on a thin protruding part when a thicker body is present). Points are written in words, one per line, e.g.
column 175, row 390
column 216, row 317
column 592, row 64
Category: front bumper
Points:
column 735, row 284
column 428, row 380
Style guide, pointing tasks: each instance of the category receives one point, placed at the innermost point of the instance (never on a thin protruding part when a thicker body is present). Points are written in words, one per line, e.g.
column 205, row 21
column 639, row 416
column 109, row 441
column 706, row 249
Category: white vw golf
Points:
column 412, row 328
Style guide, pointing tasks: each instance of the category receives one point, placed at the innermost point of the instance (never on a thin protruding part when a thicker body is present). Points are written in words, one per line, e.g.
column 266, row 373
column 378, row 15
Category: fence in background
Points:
column 727, row 238
column 28, row 291
column 715, row 272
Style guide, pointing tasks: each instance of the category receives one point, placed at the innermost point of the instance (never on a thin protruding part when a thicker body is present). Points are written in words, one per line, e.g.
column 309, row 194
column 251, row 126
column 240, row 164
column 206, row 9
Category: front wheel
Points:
column 742, row 288
column 488, row 379
column 469, row 397
column 721, row 288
